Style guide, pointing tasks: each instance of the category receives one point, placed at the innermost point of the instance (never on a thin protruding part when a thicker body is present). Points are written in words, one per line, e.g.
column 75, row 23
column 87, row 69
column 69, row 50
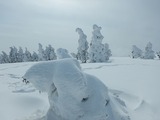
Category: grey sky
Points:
column 124, row 23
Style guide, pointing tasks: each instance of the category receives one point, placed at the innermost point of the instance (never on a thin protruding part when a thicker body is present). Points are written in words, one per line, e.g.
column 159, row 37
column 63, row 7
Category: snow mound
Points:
column 73, row 94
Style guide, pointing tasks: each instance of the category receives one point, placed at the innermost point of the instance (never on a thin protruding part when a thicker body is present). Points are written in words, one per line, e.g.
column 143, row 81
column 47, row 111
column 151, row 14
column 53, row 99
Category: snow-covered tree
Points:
column 41, row 53
column 136, row 52
column 1, row 59
column 106, row 52
column 98, row 50
column 53, row 55
column 83, row 46
column 4, row 58
column 62, row 53
column 13, row 54
column 49, row 53
column 34, row 56
column 74, row 55
column 158, row 54
column 20, row 55
column 149, row 53
column 27, row 56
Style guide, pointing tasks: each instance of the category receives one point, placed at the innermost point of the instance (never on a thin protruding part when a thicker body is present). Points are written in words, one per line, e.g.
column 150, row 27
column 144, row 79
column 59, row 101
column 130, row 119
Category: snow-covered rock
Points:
column 73, row 94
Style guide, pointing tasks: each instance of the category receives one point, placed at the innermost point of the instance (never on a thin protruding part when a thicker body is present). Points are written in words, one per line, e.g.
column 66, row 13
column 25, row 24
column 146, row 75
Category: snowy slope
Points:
column 18, row 100
column 138, row 78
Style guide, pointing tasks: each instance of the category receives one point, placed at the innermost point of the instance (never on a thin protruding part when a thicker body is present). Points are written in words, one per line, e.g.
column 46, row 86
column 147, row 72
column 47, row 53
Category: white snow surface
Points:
column 137, row 78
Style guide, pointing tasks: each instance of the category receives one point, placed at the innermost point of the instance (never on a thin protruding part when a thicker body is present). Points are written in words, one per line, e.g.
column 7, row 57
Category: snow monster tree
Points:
column 62, row 53
column 73, row 94
column 158, row 54
column 149, row 53
column 136, row 52
column 98, row 52
column 82, row 46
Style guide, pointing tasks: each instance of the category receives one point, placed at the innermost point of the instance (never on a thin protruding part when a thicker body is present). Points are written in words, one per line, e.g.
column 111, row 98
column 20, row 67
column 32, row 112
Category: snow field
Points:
column 138, row 78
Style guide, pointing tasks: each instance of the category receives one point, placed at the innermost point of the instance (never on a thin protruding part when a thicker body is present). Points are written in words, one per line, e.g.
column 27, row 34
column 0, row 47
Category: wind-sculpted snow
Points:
column 73, row 94
column 136, row 96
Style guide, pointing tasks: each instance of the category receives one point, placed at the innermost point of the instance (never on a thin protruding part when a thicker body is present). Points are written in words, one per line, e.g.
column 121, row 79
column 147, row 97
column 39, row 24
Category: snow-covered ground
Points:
column 138, row 78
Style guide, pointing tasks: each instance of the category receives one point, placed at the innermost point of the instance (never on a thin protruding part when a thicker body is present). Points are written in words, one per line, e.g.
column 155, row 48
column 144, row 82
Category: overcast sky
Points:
column 124, row 23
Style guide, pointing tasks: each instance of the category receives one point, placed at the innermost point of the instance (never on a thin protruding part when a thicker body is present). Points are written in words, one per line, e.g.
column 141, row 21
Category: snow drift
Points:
column 73, row 94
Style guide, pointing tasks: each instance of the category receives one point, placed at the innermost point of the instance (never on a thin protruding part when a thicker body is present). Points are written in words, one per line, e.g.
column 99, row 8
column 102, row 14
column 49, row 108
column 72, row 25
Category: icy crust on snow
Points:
column 73, row 94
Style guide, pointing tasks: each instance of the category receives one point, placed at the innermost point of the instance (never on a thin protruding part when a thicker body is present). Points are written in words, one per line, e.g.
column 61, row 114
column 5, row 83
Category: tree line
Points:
column 96, row 51
column 19, row 55
column 147, row 54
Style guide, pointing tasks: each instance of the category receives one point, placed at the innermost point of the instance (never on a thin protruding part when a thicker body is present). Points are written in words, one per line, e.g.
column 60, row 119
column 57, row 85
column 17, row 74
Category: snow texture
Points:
column 20, row 101
column 73, row 94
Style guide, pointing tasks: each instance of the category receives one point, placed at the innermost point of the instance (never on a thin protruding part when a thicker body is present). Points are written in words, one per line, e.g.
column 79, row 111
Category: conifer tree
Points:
column 62, row 53
column 49, row 53
column 83, row 46
column 20, row 55
column 34, row 56
column 0, row 59
column 136, row 52
column 158, row 54
column 149, row 53
column 4, row 58
column 106, row 52
column 27, row 56
column 98, row 52
column 41, row 53
column 13, row 54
